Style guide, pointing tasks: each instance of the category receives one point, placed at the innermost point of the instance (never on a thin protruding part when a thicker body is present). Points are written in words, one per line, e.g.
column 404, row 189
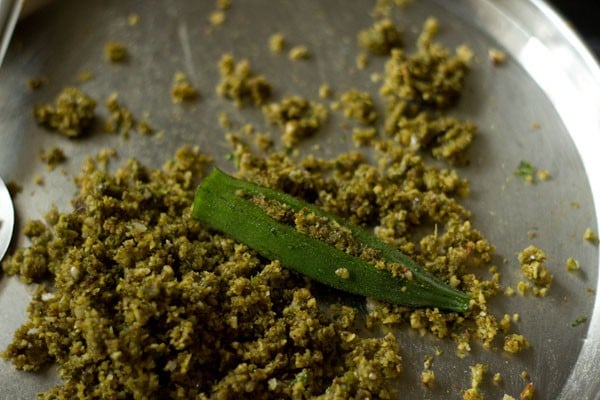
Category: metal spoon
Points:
column 9, row 13
column 7, row 218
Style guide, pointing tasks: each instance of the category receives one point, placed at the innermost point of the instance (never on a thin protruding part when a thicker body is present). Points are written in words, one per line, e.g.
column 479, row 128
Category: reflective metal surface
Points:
column 7, row 218
column 542, row 106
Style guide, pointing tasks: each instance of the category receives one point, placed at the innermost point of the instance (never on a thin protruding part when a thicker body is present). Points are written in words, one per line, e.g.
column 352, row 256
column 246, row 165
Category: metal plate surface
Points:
column 549, row 79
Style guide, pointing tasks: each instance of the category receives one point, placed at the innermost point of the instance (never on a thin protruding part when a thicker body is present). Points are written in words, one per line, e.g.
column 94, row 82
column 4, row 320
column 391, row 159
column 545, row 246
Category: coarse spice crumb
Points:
column 430, row 76
column 359, row 106
column 298, row 118
column 53, row 157
column 380, row 38
column 71, row 114
column 182, row 90
column 515, row 343
column 120, row 119
column 240, row 84
column 533, row 267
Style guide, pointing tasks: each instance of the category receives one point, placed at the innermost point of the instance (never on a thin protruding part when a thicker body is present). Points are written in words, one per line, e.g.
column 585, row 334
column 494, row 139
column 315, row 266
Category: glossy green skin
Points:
column 218, row 204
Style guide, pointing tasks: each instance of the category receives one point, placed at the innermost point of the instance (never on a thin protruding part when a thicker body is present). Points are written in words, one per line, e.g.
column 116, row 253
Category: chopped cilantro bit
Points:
column 526, row 171
column 579, row 321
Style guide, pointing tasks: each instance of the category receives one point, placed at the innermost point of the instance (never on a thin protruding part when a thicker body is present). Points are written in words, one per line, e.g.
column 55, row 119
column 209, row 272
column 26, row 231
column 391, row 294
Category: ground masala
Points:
column 138, row 300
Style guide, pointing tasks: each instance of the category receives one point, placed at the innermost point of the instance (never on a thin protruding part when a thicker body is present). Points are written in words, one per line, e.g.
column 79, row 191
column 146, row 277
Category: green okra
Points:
column 222, row 202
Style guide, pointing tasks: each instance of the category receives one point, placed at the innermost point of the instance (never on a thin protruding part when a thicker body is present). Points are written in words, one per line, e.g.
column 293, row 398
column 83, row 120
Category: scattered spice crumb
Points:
column 120, row 119
column 223, row 4
column 543, row 175
column 13, row 188
column 523, row 287
column 53, row 157
column 240, row 84
column 515, row 343
column 427, row 375
column 496, row 56
column 277, row 43
column 85, row 76
column 71, row 114
column 572, row 264
column 363, row 136
column 144, row 127
column 298, row 117
column 115, row 52
column 497, row 378
column 38, row 180
column 590, row 236
column 182, row 91
column 342, row 273
column 224, row 120
column 383, row 8
column 380, row 38
column 133, row 19
column 528, row 392
column 533, row 266
column 359, row 106
column 428, row 378
column 362, row 61
column 299, row 52
column 105, row 155
column 477, row 373
column 217, row 18
column 37, row 82
column 325, row 91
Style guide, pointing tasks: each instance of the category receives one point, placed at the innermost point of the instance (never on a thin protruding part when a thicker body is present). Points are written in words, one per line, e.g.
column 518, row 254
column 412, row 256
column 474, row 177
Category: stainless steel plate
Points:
column 549, row 80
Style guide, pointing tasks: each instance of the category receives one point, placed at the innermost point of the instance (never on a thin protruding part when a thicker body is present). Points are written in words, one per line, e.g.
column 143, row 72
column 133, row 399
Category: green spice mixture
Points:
column 137, row 300
column 71, row 114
